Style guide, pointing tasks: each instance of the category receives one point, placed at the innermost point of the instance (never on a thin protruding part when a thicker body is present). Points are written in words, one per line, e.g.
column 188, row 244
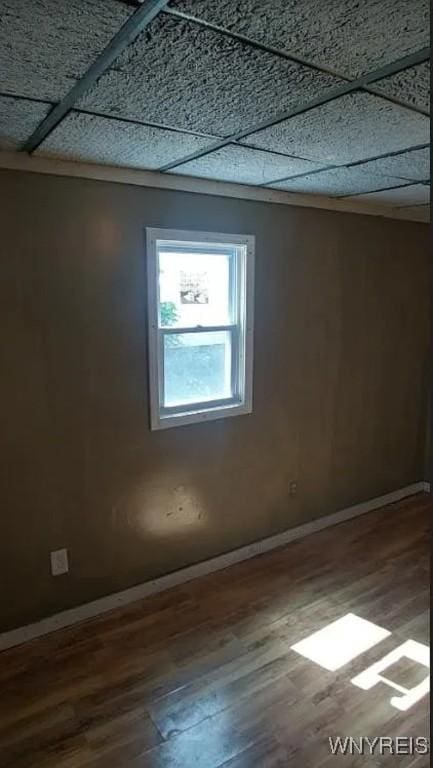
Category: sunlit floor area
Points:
column 265, row 664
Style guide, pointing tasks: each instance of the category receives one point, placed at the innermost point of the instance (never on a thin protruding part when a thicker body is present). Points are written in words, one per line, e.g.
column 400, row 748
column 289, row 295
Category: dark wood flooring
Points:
column 204, row 676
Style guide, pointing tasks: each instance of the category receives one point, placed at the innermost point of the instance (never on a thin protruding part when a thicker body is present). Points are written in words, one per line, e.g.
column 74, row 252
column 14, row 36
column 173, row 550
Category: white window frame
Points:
column 241, row 328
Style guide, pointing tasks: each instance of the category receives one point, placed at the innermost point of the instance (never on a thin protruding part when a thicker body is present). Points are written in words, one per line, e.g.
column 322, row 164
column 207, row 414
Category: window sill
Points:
column 199, row 417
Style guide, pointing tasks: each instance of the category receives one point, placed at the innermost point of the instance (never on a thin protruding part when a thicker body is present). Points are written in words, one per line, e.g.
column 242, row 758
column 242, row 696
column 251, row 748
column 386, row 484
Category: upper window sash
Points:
column 166, row 260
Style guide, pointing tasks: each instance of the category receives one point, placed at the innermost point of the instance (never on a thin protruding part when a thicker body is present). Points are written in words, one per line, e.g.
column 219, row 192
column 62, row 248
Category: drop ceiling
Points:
column 325, row 98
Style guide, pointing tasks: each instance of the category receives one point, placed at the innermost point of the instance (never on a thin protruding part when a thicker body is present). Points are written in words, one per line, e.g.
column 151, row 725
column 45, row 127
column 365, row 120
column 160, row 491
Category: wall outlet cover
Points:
column 59, row 562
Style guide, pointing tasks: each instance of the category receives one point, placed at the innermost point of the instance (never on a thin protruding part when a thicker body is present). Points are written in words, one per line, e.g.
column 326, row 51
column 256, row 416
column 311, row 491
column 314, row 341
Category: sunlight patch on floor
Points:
column 417, row 652
column 340, row 642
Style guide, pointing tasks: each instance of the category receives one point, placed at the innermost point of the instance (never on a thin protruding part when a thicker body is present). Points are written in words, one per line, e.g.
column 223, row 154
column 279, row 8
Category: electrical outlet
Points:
column 293, row 488
column 59, row 562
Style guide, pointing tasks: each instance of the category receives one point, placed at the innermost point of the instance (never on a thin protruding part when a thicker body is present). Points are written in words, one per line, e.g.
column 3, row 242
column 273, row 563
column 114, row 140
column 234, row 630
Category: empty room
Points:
column 215, row 335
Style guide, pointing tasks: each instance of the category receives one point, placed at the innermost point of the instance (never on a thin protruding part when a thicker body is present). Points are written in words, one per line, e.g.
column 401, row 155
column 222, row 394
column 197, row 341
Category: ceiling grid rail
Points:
column 353, row 164
column 285, row 55
column 342, row 90
column 127, row 33
column 386, row 189
column 144, row 13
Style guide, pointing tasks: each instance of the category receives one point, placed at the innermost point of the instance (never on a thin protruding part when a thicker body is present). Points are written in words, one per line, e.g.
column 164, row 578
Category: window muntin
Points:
column 200, row 325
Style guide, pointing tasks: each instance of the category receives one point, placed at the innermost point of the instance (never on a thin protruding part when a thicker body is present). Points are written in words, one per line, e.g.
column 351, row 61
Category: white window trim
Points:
column 211, row 410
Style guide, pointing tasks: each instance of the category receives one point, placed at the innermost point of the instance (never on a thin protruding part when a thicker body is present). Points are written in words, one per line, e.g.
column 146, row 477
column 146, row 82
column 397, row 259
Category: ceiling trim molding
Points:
column 19, row 161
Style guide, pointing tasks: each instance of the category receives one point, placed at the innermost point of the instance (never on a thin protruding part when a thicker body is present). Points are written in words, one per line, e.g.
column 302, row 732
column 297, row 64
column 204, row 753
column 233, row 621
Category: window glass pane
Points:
column 197, row 367
column 194, row 288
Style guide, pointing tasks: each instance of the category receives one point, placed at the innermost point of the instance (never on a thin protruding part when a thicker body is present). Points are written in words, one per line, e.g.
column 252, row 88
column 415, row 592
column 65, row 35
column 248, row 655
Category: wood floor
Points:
column 204, row 676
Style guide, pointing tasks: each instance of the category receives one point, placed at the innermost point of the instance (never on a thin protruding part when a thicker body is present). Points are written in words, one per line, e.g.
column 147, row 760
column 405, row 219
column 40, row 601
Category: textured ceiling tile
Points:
column 415, row 194
column 18, row 119
column 345, row 35
column 180, row 74
column 413, row 166
column 244, row 166
column 418, row 212
column 338, row 181
column 411, row 86
column 100, row 140
column 353, row 127
column 45, row 45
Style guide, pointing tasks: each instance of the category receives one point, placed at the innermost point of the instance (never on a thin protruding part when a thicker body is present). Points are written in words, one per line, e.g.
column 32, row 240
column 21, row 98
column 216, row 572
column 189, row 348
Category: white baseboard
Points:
column 104, row 604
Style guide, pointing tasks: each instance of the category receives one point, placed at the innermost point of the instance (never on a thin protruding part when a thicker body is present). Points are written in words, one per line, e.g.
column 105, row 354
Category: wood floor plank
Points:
column 204, row 675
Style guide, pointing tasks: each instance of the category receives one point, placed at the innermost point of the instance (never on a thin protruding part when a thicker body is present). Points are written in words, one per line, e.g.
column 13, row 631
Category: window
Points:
column 200, row 325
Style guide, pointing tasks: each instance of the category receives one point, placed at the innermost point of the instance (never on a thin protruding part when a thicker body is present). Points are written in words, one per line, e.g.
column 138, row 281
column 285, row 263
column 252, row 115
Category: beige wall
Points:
column 341, row 335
